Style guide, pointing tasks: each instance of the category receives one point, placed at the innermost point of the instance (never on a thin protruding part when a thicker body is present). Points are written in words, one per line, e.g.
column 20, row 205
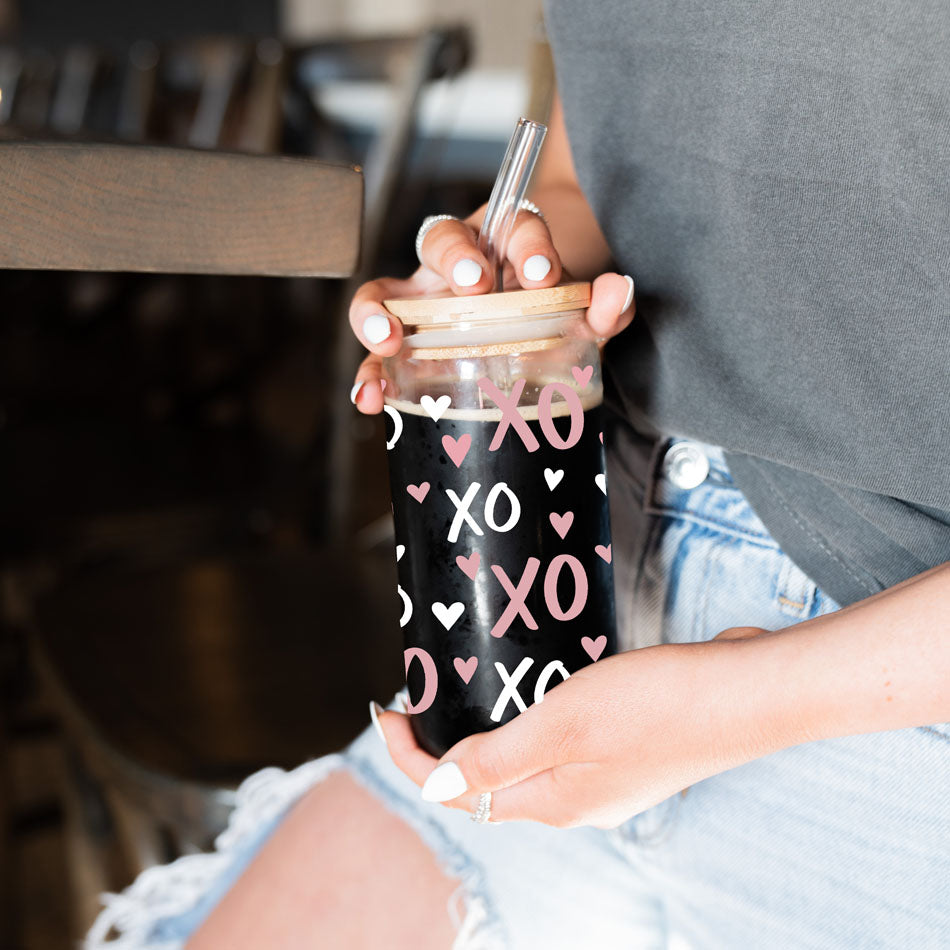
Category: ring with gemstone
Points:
column 525, row 205
column 483, row 812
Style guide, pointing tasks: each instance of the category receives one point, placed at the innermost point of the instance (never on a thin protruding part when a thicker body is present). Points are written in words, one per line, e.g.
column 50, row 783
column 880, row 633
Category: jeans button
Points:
column 685, row 465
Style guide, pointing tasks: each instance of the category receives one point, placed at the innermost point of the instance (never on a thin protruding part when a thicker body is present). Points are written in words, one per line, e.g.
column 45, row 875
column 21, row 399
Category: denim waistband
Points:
column 716, row 501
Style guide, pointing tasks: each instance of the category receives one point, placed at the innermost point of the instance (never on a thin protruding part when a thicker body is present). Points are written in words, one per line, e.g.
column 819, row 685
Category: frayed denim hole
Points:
column 481, row 927
column 476, row 926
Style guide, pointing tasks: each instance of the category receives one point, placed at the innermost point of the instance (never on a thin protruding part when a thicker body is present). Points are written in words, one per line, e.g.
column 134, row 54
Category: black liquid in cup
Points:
column 504, row 557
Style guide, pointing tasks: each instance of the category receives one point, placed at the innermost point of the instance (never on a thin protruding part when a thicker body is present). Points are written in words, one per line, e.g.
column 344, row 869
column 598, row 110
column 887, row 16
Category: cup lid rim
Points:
column 447, row 308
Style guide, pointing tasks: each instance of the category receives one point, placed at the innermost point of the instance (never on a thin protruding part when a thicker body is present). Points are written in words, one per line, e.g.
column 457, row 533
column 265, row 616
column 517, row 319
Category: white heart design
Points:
column 601, row 480
column 553, row 478
column 400, row 551
column 448, row 615
column 435, row 407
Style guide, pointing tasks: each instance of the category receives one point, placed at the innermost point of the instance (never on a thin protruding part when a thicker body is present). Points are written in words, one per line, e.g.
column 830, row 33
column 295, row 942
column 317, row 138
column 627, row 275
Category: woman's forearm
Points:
column 880, row 664
column 555, row 189
column 576, row 234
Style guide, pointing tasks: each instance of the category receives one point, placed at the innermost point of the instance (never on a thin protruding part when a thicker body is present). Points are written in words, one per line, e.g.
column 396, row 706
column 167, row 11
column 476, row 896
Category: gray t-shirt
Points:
column 776, row 177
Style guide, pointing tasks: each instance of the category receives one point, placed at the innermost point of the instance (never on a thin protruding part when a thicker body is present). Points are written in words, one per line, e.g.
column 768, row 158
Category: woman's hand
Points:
column 452, row 262
column 630, row 730
column 619, row 736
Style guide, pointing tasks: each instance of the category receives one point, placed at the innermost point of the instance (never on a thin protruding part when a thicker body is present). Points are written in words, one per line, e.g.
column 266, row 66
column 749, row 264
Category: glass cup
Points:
column 496, row 461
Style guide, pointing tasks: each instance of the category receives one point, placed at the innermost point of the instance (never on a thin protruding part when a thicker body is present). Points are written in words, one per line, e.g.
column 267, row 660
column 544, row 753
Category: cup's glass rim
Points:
column 497, row 329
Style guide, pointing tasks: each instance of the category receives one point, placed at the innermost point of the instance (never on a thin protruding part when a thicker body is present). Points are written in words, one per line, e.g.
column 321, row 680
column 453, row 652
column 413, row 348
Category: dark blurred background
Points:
column 196, row 570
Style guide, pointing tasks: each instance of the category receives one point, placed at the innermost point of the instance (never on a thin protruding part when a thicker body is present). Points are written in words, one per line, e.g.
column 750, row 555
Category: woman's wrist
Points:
column 755, row 695
column 880, row 664
column 751, row 702
column 777, row 674
column 720, row 701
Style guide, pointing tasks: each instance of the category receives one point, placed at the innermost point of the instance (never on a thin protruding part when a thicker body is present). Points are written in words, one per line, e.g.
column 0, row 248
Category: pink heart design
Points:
column 418, row 492
column 457, row 449
column 593, row 648
column 605, row 552
column 562, row 523
column 582, row 376
column 469, row 565
column 466, row 668
column 601, row 438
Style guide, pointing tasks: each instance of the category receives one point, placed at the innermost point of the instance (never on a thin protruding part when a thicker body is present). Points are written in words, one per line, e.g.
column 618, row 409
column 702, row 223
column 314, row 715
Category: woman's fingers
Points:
column 374, row 327
column 611, row 304
column 558, row 796
column 450, row 249
column 531, row 252
column 377, row 330
column 484, row 760
column 402, row 745
column 369, row 386
column 380, row 332
column 452, row 261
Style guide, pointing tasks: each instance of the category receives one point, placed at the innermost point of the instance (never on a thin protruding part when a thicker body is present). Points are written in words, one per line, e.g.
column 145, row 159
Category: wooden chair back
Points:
column 103, row 207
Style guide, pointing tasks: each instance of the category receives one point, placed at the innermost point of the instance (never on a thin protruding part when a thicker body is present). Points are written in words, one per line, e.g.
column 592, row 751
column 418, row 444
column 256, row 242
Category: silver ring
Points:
column 483, row 812
column 433, row 219
column 427, row 225
column 525, row 205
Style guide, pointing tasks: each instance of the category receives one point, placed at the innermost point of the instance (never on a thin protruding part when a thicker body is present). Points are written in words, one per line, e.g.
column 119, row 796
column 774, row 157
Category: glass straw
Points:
column 510, row 186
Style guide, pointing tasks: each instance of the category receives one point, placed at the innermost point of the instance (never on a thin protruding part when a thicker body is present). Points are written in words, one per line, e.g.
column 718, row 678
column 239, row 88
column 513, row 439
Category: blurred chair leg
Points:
column 138, row 835
column 92, row 862
column 7, row 919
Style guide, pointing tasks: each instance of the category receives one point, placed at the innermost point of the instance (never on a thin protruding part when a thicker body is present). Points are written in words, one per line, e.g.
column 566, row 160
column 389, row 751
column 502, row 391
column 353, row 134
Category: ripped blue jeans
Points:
column 836, row 844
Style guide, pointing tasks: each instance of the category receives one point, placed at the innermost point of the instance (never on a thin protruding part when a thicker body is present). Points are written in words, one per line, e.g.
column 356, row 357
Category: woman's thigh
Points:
column 510, row 886
column 340, row 870
column 839, row 843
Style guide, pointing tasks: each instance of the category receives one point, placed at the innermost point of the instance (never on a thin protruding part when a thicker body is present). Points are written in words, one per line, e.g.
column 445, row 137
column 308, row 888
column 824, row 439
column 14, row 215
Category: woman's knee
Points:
column 338, row 853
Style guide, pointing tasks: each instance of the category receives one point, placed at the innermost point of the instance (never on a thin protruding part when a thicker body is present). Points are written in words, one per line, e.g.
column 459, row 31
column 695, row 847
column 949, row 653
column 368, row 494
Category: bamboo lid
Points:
column 447, row 308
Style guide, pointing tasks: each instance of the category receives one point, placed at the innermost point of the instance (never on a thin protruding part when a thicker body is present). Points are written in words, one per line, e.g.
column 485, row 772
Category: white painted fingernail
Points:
column 629, row 297
column 355, row 391
column 444, row 783
column 536, row 267
column 402, row 698
column 466, row 273
column 374, row 710
column 376, row 328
